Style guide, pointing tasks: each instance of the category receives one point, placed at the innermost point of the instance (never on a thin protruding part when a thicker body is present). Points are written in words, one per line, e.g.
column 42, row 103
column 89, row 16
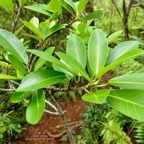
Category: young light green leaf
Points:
column 19, row 74
column 18, row 31
column 44, row 24
column 35, row 108
column 4, row 64
column 67, row 7
column 93, row 15
column 98, row 96
column 32, row 36
column 13, row 45
column 40, row 79
column 71, row 3
column 60, row 69
column 82, row 27
column 123, row 58
column 97, row 51
column 54, row 17
column 19, row 96
column 4, row 76
column 40, row 62
column 128, row 102
column 82, row 5
column 17, row 64
column 35, row 22
column 121, row 49
column 75, row 65
column 114, row 37
column 7, row 4
column 77, row 49
column 40, row 8
column 55, row 6
column 32, row 27
column 50, row 58
column 54, row 29
column 129, row 81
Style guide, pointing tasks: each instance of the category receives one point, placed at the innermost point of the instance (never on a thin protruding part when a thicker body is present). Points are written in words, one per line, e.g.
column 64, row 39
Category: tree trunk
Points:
column 126, row 12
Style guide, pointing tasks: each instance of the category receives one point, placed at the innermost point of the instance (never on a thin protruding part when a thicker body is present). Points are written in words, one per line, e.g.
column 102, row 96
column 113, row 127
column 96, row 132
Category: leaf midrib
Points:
column 128, row 101
column 13, row 48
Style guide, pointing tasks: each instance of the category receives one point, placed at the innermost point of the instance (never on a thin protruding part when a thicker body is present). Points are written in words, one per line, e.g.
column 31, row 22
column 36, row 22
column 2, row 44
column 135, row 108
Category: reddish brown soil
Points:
column 36, row 134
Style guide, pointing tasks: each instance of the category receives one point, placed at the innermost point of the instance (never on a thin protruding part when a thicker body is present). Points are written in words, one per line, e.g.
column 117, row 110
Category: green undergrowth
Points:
column 128, row 67
column 12, row 121
column 104, row 125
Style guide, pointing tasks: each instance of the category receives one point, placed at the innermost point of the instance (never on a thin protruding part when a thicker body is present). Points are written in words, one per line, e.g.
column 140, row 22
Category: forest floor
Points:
column 50, row 129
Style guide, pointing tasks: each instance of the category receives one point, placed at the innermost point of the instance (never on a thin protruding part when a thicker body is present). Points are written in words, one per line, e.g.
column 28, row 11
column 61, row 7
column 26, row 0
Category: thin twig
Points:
column 11, row 85
column 132, row 128
column 15, row 82
column 31, row 62
column 85, row 87
column 7, row 90
column 47, row 111
column 51, row 105
column 16, row 19
column 52, row 113
column 117, row 9
column 68, row 130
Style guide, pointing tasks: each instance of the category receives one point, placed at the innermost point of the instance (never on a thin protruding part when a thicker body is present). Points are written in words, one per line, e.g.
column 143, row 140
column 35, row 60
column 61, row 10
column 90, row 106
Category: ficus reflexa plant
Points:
column 87, row 57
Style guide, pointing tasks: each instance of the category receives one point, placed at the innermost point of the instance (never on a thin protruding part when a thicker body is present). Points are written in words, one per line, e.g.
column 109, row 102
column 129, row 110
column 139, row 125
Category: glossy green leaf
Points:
column 82, row 5
column 32, row 27
column 4, row 76
column 54, row 29
column 77, row 49
column 44, row 24
column 71, row 3
column 12, row 44
column 19, row 96
column 32, row 36
column 4, row 64
column 18, row 30
column 82, row 27
column 121, row 49
column 129, row 81
column 50, row 58
column 19, row 74
column 93, row 15
column 7, row 4
column 40, row 79
column 97, row 51
column 98, row 96
column 40, row 8
column 40, row 62
column 54, row 16
column 35, row 108
column 128, row 102
column 58, row 68
column 123, row 58
column 75, row 66
column 114, row 37
column 67, row 7
column 55, row 6
column 35, row 22
column 17, row 64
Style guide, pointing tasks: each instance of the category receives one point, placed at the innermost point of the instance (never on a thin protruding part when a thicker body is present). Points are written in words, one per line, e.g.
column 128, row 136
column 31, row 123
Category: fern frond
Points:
column 112, row 132
column 139, row 132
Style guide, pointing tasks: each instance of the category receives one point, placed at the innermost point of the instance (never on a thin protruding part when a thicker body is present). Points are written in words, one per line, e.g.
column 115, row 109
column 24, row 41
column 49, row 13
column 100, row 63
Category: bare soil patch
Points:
column 50, row 129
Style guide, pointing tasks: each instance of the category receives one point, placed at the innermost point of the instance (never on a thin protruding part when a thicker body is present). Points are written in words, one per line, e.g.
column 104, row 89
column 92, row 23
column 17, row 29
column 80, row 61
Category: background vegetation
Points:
column 101, row 123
